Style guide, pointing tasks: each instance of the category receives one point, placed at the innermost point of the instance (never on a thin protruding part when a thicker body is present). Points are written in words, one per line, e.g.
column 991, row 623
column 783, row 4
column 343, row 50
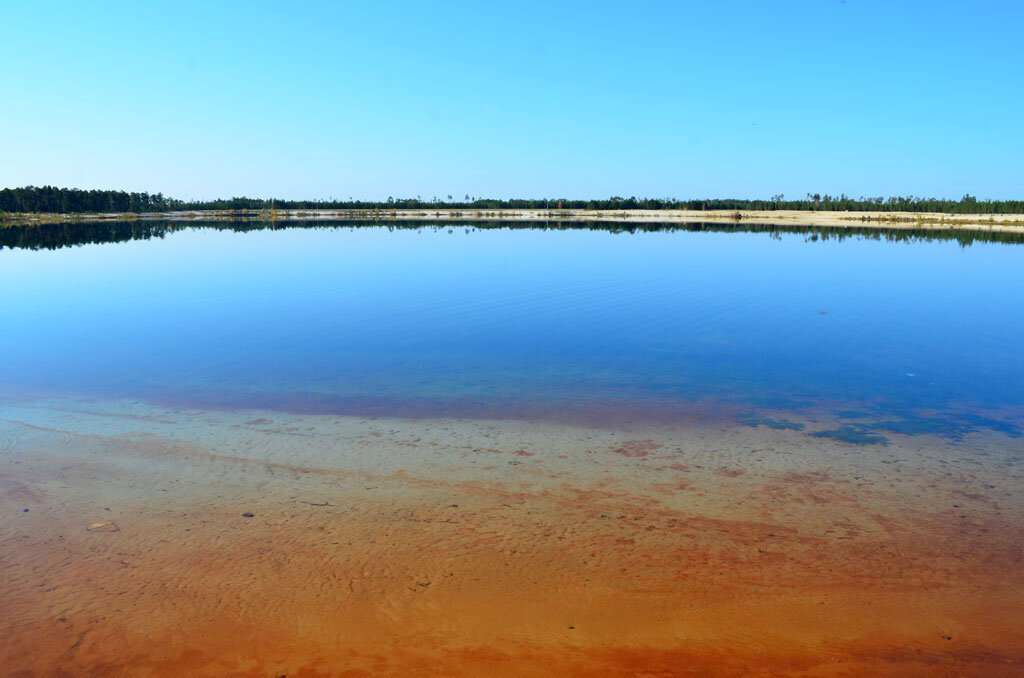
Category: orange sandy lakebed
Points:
column 498, row 548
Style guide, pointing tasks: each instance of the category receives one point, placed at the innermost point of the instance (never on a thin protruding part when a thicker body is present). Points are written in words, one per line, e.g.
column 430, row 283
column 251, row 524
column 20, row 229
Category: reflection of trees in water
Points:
column 55, row 236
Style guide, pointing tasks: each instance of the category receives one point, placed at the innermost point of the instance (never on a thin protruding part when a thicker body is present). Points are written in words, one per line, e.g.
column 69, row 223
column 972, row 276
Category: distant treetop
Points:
column 48, row 199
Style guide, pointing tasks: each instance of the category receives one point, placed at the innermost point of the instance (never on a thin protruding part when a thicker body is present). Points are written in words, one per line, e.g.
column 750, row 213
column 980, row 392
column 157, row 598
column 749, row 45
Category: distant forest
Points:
column 48, row 199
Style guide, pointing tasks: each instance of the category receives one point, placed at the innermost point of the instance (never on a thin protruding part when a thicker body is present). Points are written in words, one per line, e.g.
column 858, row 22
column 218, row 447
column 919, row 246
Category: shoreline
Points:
column 606, row 552
column 1007, row 223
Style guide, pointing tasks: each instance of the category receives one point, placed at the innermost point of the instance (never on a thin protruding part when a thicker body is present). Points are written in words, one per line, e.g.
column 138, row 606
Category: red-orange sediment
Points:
column 617, row 568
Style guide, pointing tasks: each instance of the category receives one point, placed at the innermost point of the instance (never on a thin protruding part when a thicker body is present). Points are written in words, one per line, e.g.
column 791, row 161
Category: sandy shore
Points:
column 1007, row 223
column 503, row 548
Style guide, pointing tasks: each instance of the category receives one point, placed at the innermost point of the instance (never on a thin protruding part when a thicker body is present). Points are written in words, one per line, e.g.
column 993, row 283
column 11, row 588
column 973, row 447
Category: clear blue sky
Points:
column 538, row 99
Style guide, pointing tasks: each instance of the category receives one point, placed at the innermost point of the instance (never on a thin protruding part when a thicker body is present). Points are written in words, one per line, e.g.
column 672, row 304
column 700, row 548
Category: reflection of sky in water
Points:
column 543, row 316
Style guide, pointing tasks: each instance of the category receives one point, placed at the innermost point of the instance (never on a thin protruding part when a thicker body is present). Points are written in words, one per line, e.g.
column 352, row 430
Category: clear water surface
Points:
column 457, row 321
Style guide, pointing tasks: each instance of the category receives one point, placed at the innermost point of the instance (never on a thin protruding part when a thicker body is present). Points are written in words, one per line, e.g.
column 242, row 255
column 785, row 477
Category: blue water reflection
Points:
column 475, row 319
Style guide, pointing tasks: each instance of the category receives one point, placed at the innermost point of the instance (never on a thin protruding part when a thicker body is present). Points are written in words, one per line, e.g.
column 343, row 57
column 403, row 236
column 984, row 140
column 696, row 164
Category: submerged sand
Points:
column 501, row 548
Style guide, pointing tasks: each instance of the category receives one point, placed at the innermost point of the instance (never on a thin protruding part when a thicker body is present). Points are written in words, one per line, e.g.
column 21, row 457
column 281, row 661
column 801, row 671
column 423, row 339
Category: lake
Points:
column 264, row 449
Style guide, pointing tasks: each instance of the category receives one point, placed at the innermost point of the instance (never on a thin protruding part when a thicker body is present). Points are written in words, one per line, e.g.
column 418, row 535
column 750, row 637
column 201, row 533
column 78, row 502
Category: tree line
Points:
column 49, row 199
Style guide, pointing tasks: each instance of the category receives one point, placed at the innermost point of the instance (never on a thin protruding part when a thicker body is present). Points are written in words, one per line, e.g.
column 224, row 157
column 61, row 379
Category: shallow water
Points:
column 521, row 452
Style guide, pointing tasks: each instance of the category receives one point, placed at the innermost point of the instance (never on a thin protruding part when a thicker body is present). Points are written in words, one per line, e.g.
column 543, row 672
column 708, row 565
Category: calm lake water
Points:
column 254, row 450
column 580, row 323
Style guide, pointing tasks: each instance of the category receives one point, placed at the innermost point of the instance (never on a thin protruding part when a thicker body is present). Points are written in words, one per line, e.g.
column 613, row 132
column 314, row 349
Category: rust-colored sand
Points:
column 482, row 549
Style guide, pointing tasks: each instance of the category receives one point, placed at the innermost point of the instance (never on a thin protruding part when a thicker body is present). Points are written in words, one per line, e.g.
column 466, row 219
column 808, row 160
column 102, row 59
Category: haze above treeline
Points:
column 49, row 199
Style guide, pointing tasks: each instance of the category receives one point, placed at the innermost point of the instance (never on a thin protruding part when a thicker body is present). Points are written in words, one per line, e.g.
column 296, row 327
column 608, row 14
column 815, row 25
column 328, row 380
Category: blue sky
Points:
column 538, row 99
